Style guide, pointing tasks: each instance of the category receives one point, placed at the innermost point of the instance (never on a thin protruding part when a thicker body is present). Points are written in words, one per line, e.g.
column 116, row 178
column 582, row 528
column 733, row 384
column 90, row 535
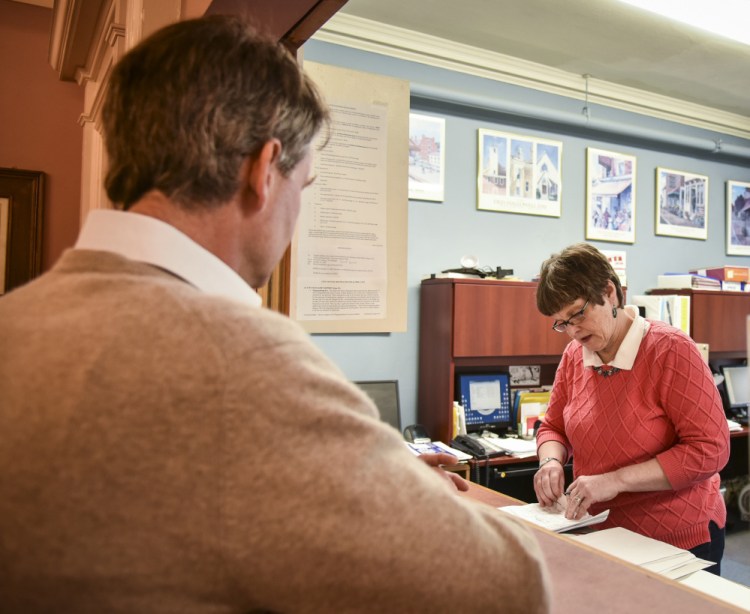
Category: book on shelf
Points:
column 687, row 280
column 452, row 275
column 459, row 420
column 529, row 405
column 725, row 273
column 735, row 286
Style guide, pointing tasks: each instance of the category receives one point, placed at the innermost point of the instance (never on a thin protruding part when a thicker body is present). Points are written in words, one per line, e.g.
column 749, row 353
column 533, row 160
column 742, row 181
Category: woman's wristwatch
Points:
column 544, row 461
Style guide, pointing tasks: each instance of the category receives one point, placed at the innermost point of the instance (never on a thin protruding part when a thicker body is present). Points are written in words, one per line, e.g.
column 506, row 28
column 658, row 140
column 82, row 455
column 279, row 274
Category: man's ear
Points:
column 259, row 174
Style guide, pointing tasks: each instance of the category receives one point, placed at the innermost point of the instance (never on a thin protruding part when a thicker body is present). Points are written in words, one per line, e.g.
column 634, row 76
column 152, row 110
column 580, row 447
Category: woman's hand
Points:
column 549, row 483
column 586, row 490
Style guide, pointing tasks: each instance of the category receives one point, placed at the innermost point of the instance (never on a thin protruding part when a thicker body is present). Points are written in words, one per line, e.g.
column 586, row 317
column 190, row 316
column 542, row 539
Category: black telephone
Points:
column 471, row 446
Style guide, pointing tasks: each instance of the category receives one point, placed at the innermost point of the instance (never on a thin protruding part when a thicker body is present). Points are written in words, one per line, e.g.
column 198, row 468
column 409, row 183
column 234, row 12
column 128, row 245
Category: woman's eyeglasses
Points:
column 575, row 319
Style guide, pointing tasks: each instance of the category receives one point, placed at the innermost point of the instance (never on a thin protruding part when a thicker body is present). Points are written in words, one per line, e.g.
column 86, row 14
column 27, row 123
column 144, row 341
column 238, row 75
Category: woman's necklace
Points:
column 606, row 370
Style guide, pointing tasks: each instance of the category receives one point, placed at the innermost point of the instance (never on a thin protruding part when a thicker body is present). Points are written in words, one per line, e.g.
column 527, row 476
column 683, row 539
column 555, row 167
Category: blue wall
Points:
column 440, row 233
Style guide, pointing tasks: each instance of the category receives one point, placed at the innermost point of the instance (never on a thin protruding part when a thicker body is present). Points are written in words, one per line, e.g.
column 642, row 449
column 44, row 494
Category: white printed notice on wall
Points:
column 341, row 265
column 348, row 264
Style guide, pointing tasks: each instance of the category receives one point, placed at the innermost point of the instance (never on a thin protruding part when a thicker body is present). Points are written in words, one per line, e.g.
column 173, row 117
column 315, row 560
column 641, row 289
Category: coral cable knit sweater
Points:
column 666, row 407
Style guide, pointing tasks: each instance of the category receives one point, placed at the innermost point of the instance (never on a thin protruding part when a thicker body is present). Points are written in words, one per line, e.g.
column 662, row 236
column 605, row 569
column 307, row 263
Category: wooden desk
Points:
column 586, row 581
column 514, row 476
column 739, row 463
column 463, row 469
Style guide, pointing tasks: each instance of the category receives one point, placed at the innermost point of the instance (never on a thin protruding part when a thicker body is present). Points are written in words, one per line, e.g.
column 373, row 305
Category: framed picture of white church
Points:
column 681, row 204
column 519, row 174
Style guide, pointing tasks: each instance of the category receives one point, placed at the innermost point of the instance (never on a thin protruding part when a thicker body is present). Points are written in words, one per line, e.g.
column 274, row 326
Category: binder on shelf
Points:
column 528, row 407
column 459, row 420
column 735, row 286
column 690, row 281
column 674, row 309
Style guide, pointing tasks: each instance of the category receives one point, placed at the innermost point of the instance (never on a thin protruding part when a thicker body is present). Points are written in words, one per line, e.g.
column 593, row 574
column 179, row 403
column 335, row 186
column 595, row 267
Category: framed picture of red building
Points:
column 426, row 157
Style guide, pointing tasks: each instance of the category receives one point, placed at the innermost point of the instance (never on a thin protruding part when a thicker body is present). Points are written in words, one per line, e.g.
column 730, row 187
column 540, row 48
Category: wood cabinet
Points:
column 484, row 326
column 717, row 318
column 475, row 326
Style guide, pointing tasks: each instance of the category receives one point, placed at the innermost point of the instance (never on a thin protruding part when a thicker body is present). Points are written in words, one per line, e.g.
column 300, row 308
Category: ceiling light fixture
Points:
column 726, row 18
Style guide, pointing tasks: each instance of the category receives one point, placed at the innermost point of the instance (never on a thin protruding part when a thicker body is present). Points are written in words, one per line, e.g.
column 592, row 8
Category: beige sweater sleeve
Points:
column 325, row 509
column 166, row 451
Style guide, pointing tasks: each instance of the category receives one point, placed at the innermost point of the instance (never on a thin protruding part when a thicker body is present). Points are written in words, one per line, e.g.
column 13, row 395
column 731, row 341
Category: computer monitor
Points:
column 486, row 401
column 737, row 386
column 384, row 393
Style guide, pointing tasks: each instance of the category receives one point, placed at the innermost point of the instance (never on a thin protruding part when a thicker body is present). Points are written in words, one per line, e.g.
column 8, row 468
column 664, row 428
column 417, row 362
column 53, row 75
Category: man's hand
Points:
column 436, row 461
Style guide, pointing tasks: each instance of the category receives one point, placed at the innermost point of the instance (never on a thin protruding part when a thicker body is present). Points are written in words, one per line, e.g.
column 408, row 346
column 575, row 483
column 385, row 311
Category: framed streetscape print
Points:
column 519, row 174
column 426, row 157
column 610, row 196
column 681, row 204
column 738, row 218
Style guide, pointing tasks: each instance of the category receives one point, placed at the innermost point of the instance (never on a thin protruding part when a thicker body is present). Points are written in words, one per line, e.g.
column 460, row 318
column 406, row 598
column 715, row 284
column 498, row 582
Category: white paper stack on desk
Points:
column 518, row 448
column 651, row 554
column 434, row 447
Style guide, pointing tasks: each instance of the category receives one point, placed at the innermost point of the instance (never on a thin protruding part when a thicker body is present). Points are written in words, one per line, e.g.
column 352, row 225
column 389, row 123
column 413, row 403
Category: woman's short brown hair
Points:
column 578, row 271
column 187, row 105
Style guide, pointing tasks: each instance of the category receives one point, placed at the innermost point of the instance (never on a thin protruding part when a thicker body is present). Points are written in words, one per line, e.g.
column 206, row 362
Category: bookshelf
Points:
column 469, row 326
column 484, row 326
column 717, row 318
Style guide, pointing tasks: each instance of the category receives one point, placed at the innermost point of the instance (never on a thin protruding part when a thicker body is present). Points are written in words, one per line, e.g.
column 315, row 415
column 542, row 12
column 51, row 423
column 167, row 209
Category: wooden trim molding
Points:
column 89, row 36
column 74, row 24
column 409, row 45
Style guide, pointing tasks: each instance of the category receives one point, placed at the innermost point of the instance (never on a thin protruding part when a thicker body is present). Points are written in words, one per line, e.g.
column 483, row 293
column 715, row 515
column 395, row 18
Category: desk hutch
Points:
column 470, row 326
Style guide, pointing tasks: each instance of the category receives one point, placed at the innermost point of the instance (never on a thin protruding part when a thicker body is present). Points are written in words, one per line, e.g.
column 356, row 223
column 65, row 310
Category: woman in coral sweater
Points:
column 636, row 406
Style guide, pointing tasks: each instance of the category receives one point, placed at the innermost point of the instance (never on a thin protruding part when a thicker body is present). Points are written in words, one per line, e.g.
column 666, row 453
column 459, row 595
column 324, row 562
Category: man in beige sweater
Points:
column 169, row 446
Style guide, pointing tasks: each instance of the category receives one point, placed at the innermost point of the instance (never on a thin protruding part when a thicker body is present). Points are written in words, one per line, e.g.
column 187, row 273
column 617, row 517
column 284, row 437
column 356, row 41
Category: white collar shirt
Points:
column 145, row 239
column 628, row 349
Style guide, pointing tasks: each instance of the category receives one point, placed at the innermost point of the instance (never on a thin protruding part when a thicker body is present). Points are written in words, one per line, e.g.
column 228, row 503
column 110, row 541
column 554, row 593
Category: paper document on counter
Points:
column 652, row 554
column 518, row 448
column 552, row 519
column 436, row 447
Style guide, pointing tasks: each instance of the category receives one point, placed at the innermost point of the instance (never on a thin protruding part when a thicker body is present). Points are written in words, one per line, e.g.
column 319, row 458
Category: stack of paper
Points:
column 674, row 309
column 435, row 447
column 518, row 448
column 651, row 554
column 687, row 280
column 720, row 588
column 552, row 519
column 733, row 426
